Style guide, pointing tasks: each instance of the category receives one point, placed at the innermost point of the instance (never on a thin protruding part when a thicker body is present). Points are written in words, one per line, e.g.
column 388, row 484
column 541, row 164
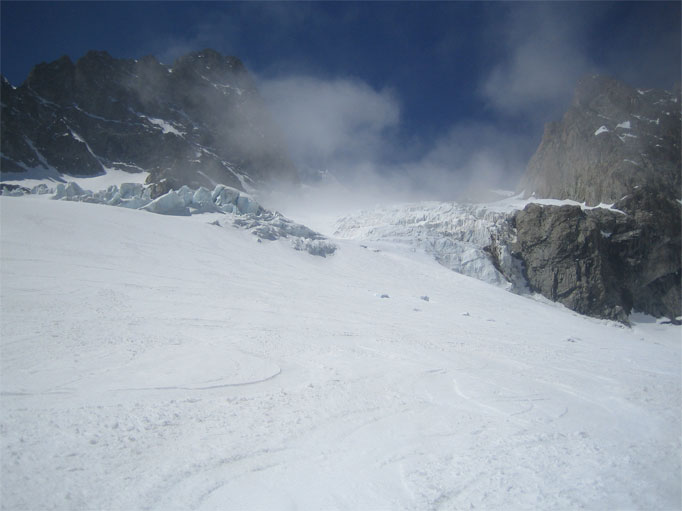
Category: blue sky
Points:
column 442, row 84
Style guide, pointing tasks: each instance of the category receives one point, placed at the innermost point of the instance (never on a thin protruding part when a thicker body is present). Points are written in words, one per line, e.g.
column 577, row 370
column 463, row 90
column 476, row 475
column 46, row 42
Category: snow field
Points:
column 49, row 177
column 165, row 363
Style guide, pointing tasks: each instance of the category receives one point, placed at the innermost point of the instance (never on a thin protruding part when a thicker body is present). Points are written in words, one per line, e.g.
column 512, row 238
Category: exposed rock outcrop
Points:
column 605, row 263
column 612, row 139
column 615, row 144
column 197, row 123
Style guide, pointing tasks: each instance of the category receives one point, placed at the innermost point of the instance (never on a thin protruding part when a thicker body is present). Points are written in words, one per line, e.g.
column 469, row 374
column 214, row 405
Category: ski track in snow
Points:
column 153, row 362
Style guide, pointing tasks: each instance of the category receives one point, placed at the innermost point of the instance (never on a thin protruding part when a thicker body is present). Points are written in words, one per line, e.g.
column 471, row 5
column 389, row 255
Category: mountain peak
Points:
column 96, row 55
column 591, row 88
column 199, row 123
column 613, row 139
column 210, row 59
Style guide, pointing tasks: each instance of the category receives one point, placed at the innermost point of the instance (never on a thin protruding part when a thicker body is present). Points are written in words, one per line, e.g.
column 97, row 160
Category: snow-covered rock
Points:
column 76, row 123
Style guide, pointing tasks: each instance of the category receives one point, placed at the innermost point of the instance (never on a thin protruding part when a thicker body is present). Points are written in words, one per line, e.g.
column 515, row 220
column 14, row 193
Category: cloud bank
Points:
column 544, row 48
column 543, row 54
column 332, row 123
column 352, row 132
column 535, row 54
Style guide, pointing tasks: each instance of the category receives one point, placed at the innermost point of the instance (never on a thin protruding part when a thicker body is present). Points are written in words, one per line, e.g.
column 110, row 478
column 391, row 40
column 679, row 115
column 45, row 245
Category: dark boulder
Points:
column 605, row 263
column 616, row 145
column 648, row 251
column 566, row 259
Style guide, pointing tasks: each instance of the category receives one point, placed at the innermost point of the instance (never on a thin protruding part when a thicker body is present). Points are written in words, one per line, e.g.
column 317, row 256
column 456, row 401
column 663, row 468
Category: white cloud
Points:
column 534, row 55
column 542, row 59
column 469, row 158
column 331, row 122
column 348, row 127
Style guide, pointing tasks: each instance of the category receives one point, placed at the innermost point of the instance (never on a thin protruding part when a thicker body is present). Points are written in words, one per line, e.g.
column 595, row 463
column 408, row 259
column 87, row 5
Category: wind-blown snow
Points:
column 162, row 362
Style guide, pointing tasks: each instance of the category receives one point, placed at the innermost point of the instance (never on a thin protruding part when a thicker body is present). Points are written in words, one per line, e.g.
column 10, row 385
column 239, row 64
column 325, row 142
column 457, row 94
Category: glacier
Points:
column 454, row 234
column 240, row 208
column 154, row 362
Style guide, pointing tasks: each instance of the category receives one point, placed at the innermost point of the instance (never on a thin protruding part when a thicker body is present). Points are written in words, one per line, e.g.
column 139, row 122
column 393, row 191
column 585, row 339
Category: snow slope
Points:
column 49, row 177
column 161, row 362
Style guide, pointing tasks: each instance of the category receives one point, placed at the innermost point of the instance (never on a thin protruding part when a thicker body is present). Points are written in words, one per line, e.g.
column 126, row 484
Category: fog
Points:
column 357, row 136
column 332, row 123
column 346, row 139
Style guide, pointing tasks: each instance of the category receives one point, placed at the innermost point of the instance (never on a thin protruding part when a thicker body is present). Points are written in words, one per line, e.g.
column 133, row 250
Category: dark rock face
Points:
column 605, row 263
column 197, row 123
column 615, row 145
column 566, row 259
column 648, row 251
column 612, row 139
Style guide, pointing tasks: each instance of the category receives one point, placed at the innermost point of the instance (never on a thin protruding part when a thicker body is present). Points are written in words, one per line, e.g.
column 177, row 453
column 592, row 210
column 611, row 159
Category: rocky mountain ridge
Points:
column 615, row 144
column 612, row 139
column 198, row 122
column 604, row 262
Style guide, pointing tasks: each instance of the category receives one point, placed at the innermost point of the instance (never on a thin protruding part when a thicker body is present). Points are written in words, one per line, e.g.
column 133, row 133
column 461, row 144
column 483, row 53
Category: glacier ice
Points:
column 225, row 196
column 130, row 190
column 186, row 194
column 41, row 189
column 171, row 203
column 69, row 190
column 246, row 204
column 242, row 208
column 203, row 200
column 458, row 236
